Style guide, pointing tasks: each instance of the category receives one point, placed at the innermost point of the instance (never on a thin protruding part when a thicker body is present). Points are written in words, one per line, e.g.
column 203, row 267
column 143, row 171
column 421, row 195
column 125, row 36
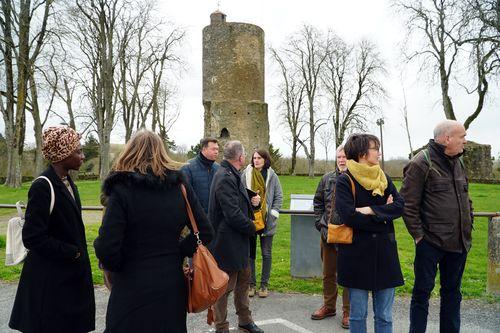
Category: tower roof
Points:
column 217, row 17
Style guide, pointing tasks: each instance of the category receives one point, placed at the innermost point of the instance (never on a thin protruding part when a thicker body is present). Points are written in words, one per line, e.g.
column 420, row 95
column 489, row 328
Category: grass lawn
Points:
column 486, row 198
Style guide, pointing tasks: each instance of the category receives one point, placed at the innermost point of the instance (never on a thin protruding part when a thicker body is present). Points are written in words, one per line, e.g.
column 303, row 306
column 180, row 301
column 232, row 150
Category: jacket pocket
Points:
column 440, row 186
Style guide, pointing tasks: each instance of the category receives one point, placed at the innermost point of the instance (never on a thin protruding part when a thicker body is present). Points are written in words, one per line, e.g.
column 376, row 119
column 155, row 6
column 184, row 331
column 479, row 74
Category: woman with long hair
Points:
column 368, row 202
column 139, row 239
column 260, row 178
column 55, row 292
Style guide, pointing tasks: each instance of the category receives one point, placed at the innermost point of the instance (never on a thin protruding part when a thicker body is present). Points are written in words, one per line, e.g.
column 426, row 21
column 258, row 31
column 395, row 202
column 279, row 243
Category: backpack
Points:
column 15, row 252
column 427, row 158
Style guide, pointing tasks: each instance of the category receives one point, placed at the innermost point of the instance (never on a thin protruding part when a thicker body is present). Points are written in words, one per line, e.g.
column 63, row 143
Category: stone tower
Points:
column 233, row 83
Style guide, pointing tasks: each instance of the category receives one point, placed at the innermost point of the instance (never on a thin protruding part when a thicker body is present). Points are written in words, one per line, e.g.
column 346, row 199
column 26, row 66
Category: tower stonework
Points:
column 233, row 83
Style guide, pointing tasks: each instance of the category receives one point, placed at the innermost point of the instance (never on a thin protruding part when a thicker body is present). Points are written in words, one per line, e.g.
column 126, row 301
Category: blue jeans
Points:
column 451, row 268
column 382, row 309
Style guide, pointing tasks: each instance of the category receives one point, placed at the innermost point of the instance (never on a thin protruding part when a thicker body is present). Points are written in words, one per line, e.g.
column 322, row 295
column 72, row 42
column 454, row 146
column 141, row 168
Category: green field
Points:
column 486, row 198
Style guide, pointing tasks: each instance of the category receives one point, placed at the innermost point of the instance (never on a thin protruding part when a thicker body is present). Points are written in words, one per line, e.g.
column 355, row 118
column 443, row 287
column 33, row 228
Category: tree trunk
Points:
column 13, row 178
column 294, row 157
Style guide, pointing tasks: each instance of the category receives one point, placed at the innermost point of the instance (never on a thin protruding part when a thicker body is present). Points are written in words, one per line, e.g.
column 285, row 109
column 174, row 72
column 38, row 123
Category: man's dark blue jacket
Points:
column 200, row 172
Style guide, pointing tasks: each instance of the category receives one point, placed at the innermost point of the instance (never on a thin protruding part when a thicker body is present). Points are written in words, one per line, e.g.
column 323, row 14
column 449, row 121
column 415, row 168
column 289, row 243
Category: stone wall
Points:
column 477, row 160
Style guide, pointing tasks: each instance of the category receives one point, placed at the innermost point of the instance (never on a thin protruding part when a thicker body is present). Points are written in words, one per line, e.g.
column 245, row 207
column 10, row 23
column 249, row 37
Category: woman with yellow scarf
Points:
column 260, row 178
column 371, row 262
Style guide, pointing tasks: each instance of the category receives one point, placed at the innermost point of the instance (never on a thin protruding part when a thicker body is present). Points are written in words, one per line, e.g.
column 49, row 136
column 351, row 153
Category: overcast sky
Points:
column 352, row 20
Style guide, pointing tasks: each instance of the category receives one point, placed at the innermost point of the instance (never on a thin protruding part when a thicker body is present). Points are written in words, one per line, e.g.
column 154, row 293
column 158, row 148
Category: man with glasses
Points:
column 230, row 211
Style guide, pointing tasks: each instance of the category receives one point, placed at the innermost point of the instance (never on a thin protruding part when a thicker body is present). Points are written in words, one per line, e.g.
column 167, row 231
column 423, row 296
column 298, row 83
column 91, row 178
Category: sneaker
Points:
column 323, row 312
column 251, row 292
column 345, row 320
column 250, row 328
column 263, row 293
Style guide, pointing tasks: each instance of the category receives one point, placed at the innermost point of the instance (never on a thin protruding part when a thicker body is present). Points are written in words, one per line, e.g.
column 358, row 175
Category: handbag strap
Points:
column 353, row 190
column 191, row 216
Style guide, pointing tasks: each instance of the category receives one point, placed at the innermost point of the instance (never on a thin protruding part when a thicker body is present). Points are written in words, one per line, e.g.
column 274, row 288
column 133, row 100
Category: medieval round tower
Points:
column 233, row 82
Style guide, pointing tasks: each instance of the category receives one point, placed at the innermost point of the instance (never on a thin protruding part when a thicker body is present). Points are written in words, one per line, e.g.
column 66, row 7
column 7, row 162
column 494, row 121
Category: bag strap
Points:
column 52, row 193
column 191, row 216
column 20, row 209
column 353, row 190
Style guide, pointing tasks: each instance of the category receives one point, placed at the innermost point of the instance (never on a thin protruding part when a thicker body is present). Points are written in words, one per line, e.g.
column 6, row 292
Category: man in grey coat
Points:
column 325, row 214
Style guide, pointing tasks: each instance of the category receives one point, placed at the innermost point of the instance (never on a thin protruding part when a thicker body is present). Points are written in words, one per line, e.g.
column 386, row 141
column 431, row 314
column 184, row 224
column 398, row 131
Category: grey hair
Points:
column 232, row 150
column 444, row 128
column 339, row 148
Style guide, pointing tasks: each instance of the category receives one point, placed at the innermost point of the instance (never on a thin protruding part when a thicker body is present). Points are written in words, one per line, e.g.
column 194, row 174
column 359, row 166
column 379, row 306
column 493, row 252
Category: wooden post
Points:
column 493, row 279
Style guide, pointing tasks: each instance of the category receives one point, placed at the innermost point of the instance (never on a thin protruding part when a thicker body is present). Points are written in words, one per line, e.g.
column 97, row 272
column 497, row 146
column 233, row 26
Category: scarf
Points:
column 259, row 184
column 372, row 178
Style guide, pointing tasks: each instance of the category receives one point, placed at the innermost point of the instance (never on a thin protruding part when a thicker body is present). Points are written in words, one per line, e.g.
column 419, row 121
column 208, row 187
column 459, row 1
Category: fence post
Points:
column 493, row 279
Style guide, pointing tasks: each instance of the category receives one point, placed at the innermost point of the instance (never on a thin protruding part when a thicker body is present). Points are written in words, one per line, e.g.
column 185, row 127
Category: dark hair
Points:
column 265, row 155
column 205, row 141
column 357, row 145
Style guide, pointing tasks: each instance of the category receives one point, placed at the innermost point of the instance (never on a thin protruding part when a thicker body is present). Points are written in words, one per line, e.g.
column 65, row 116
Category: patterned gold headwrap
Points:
column 59, row 142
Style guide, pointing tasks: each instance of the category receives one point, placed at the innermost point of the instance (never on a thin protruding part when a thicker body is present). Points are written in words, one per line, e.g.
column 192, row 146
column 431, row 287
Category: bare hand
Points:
column 365, row 210
column 255, row 200
column 390, row 199
column 418, row 239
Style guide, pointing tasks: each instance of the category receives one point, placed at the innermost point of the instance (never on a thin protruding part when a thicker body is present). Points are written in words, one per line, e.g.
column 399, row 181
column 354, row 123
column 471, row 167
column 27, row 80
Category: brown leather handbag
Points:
column 206, row 282
column 340, row 233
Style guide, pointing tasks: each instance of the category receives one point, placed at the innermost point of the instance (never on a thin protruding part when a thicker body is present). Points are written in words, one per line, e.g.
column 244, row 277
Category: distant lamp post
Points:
column 380, row 122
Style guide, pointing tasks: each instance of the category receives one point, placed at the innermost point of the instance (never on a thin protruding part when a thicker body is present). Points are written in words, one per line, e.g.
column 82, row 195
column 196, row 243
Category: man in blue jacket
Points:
column 201, row 170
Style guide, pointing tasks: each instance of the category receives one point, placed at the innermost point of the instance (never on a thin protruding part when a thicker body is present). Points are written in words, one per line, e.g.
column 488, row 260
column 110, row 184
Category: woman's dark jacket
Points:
column 322, row 203
column 231, row 214
column 371, row 262
column 55, row 292
column 139, row 243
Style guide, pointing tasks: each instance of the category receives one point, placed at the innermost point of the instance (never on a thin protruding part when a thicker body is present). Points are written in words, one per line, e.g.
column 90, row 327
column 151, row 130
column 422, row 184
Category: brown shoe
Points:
column 345, row 320
column 251, row 292
column 263, row 293
column 322, row 313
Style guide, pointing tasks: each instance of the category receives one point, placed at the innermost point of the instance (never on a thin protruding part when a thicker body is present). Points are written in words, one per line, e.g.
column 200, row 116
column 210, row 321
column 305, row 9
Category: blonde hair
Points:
column 143, row 153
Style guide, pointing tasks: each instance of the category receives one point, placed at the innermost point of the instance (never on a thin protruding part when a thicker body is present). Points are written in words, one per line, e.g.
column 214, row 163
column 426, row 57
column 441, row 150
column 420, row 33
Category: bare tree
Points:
column 17, row 21
column 353, row 83
column 291, row 93
column 307, row 50
column 404, row 112
column 326, row 135
column 452, row 31
column 93, row 25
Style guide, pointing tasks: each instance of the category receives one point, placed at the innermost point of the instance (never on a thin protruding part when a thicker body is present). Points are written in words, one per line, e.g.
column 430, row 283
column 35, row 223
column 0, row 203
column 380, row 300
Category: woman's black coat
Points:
column 371, row 262
column 139, row 243
column 55, row 292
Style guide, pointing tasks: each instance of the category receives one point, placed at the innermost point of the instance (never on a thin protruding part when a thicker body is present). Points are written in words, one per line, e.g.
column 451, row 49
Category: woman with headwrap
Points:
column 55, row 292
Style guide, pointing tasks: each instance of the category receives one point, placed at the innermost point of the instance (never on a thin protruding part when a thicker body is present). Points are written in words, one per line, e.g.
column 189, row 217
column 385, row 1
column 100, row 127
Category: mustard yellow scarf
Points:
column 372, row 178
column 259, row 184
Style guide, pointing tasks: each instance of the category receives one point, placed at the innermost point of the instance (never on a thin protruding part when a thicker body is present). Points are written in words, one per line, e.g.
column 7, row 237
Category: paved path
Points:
column 289, row 313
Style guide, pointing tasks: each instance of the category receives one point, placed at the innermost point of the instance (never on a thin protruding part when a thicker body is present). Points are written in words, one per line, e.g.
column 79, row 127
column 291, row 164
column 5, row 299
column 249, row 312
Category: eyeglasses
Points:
column 374, row 148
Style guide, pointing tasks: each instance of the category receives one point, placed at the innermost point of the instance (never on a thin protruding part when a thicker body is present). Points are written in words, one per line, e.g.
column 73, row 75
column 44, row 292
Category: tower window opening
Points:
column 224, row 133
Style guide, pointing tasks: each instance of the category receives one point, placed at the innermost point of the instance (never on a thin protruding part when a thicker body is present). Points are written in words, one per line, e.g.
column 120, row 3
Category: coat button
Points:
column 374, row 235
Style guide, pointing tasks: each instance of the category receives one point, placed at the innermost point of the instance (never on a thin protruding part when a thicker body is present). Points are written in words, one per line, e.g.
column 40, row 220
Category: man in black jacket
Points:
column 325, row 214
column 230, row 211
column 438, row 215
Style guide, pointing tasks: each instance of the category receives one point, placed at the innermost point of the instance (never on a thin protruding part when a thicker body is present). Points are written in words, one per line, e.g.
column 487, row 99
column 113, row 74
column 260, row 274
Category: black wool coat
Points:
column 231, row 214
column 55, row 292
column 371, row 262
column 139, row 242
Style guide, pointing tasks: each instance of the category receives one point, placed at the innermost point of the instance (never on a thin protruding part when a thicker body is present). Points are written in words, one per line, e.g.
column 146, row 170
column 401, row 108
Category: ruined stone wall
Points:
column 233, row 83
column 477, row 160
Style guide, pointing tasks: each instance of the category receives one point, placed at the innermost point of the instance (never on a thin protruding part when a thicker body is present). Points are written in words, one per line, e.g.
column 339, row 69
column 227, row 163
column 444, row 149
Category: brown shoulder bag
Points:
column 340, row 233
column 206, row 282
